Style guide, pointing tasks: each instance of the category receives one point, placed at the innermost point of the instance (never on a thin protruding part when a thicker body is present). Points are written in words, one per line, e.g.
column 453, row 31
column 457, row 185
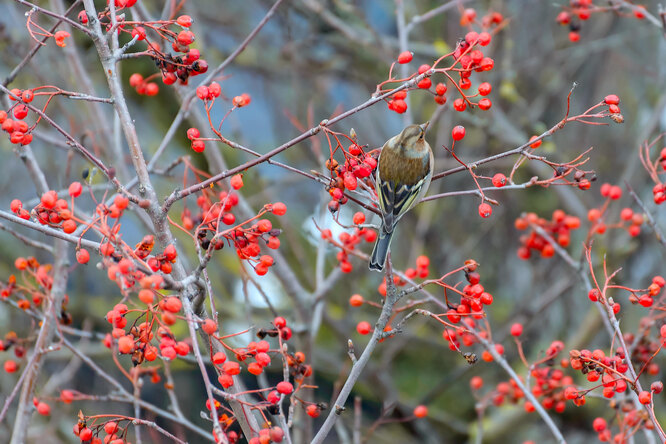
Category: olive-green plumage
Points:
column 402, row 178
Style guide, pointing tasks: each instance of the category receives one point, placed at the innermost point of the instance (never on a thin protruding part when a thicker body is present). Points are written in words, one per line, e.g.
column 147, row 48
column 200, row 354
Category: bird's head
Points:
column 414, row 136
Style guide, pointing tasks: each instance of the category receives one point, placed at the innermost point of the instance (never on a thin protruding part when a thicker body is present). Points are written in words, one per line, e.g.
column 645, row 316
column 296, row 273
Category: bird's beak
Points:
column 424, row 126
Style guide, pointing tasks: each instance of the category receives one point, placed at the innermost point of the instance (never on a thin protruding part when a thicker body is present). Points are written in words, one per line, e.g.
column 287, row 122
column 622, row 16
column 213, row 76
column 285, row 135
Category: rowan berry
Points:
column 185, row 21
column 405, row 57
column 284, row 387
column 644, row 397
column 459, row 104
column 485, row 210
column 356, row 300
column 420, row 411
column 363, row 328
column 458, row 132
column 485, row 104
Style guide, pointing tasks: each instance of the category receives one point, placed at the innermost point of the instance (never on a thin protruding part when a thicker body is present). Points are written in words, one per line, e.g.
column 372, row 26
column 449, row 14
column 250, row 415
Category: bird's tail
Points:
column 379, row 252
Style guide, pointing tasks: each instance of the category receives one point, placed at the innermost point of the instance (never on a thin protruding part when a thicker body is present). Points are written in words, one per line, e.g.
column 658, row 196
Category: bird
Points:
column 402, row 178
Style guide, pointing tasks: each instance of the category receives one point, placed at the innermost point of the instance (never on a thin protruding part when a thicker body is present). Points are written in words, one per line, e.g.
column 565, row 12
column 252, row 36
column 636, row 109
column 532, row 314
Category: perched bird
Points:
column 403, row 176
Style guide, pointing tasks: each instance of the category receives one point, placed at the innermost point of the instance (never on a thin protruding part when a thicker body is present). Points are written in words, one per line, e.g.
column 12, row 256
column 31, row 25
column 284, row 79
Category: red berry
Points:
column 420, row 411
column 82, row 256
column 458, row 132
column 476, row 383
column 612, row 99
column 75, row 189
column 312, row 410
column 485, row 104
column 193, row 133
column 280, row 322
column 399, row 106
column 198, row 146
column 279, row 209
column 615, row 192
column 236, row 181
column 185, row 37
column 405, row 57
column 356, row 300
column 284, row 387
column 425, row 83
column 644, row 397
column 185, row 21
column 499, row 180
column 363, row 328
column 485, row 88
column 657, row 387
column 485, row 210
column 599, row 424
column 459, row 104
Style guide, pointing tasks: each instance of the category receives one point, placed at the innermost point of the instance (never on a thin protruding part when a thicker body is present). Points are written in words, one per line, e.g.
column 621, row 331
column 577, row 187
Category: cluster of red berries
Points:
column 630, row 221
column 613, row 102
column 51, row 210
column 473, row 297
column 18, row 130
column 179, row 68
column 358, row 166
column 173, row 68
column 244, row 238
column 559, row 228
column 629, row 419
column 348, row 241
column 595, row 365
column 36, row 286
column 268, row 435
column 645, row 347
column 138, row 341
column 469, row 18
column 143, row 87
column 471, row 60
column 550, row 384
column 92, row 434
column 10, row 341
column 257, row 351
column 505, row 391
column 579, row 11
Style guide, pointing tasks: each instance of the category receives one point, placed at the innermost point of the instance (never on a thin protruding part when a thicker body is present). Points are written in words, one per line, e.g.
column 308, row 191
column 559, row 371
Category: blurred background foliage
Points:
column 313, row 59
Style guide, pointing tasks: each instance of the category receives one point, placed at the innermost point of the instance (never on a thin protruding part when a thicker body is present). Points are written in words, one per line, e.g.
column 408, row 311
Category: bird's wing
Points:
column 396, row 201
column 405, row 197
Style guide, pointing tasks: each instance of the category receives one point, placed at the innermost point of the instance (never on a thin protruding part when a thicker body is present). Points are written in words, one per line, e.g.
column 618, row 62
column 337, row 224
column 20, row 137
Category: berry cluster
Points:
column 551, row 387
column 215, row 211
column 173, row 68
column 558, row 228
column 89, row 431
column 18, row 130
column 467, row 58
column 143, row 86
column 348, row 241
column 628, row 419
column 180, row 68
column 595, row 365
column 579, row 11
column 629, row 220
column 357, row 167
